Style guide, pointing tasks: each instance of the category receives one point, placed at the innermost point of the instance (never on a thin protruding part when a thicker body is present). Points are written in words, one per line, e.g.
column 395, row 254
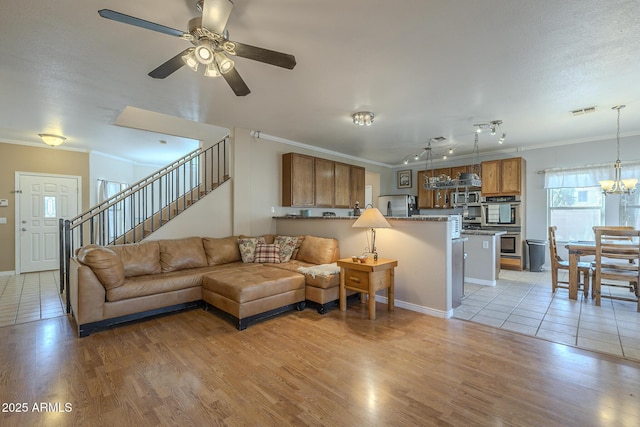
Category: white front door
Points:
column 43, row 200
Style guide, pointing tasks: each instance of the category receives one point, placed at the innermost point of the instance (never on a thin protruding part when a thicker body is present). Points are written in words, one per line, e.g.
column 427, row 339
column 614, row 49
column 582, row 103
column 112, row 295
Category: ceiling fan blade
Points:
column 169, row 67
column 238, row 85
column 126, row 19
column 267, row 56
column 215, row 14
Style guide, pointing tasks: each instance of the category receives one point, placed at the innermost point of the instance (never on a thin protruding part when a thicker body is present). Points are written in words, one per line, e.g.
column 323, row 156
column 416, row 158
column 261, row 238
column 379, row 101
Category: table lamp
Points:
column 372, row 218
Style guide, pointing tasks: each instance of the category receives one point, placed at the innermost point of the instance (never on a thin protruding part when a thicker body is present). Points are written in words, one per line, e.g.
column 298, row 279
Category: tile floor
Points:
column 29, row 297
column 522, row 302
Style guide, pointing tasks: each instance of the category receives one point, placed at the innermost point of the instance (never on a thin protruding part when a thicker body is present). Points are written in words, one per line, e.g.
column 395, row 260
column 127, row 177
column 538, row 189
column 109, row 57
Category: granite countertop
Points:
column 483, row 232
column 393, row 218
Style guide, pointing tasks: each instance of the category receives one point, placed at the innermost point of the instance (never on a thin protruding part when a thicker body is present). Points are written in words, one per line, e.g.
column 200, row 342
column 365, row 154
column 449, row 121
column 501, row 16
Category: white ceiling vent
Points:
column 583, row 111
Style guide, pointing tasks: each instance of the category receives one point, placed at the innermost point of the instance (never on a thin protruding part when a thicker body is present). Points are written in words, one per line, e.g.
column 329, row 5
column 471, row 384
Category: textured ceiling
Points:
column 425, row 68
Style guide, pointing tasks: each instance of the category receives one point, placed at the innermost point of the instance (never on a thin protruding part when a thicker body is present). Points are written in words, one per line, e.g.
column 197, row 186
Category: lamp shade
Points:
column 371, row 218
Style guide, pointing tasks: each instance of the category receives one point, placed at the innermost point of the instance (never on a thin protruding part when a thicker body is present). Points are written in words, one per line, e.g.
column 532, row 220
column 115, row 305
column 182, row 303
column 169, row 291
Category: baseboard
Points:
column 8, row 273
column 482, row 282
column 418, row 308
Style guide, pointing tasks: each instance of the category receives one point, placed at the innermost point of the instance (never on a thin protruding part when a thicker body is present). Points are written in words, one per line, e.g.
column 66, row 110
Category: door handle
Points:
column 24, row 229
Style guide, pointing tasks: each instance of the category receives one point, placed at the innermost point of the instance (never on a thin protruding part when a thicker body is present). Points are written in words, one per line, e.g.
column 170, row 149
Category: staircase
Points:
column 142, row 208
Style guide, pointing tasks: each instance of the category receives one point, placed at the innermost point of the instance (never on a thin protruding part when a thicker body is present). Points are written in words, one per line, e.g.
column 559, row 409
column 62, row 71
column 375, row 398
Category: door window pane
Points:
column 49, row 207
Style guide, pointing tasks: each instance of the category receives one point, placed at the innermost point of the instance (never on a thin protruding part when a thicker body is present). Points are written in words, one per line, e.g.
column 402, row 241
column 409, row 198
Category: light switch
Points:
column 4, row 202
column 485, row 244
column 3, row 220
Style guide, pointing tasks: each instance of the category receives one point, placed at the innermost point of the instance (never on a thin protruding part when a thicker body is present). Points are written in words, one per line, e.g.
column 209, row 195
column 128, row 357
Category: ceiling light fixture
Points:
column 618, row 185
column 363, row 118
column 494, row 127
column 190, row 60
column 52, row 140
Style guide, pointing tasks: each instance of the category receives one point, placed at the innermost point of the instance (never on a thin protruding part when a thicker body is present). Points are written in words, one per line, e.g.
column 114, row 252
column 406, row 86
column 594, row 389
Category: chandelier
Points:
column 363, row 118
column 618, row 185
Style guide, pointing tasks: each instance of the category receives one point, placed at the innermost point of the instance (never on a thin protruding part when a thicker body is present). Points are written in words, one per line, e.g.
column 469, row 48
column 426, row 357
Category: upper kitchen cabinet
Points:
column 314, row 182
column 342, row 185
column 324, row 183
column 425, row 197
column 356, row 187
column 502, row 177
column 457, row 170
column 298, row 180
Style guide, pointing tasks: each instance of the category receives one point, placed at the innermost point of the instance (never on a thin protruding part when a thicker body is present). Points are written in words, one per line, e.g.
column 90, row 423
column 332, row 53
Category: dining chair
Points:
column 617, row 259
column 558, row 263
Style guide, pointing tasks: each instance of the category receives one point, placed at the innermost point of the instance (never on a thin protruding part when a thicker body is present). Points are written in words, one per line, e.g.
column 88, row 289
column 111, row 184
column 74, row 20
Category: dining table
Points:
column 576, row 250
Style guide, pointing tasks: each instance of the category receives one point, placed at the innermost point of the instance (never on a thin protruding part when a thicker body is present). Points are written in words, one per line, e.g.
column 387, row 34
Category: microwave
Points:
column 469, row 198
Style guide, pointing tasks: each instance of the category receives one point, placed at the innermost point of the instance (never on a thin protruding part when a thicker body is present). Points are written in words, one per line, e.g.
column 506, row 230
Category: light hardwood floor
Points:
column 302, row 368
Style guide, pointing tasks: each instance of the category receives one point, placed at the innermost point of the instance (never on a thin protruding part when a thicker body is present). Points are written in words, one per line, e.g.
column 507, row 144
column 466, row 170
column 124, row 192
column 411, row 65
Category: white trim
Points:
column 18, row 175
column 483, row 282
column 417, row 308
column 7, row 273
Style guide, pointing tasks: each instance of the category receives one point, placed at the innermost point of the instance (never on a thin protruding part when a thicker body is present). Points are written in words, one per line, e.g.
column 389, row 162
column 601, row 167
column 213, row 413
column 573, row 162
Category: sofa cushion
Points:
column 139, row 259
column 180, row 254
column 267, row 254
column 247, row 247
column 105, row 264
column 221, row 250
column 287, row 245
column 318, row 250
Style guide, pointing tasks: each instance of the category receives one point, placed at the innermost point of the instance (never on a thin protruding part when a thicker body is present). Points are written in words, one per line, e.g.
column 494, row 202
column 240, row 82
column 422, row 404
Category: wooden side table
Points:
column 367, row 278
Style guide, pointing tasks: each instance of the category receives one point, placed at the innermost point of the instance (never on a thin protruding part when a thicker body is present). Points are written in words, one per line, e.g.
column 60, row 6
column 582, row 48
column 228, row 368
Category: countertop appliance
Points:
column 400, row 205
column 469, row 198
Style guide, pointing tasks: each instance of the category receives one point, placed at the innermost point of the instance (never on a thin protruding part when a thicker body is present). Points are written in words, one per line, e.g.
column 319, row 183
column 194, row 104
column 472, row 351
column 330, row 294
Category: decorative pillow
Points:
column 247, row 246
column 268, row 254
column 297, row 249
column 105, row 263
column 287, row 244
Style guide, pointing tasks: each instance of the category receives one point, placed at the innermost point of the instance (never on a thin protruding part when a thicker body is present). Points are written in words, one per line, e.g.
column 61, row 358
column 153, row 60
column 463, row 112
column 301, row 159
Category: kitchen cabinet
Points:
column 457, row 170
column 315, row 182
column 356, row 186
column 425, row 197
column 342, row 185
column 324, row 182
column 502, row 177
column 298, row 180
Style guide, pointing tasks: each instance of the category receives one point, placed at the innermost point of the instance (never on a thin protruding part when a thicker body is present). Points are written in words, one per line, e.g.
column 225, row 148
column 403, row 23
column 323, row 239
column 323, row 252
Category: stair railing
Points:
column 132, row 214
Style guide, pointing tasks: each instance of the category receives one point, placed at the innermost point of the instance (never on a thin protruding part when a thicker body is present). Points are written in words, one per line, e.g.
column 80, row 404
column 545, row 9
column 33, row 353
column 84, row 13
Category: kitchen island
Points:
column 482, row 265
column 422, row 246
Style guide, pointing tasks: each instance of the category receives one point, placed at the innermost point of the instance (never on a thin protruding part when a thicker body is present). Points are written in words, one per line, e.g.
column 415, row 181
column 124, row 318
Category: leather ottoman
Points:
column 253, row 292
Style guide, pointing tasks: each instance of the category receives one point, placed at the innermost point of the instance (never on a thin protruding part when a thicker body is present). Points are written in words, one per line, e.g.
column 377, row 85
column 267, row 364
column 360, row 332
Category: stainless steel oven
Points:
column 501, row 212
column 511, row 244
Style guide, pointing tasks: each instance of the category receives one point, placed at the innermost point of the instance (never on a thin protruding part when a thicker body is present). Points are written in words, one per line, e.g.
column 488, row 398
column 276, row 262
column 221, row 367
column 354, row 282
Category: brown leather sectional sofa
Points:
column 121, row 283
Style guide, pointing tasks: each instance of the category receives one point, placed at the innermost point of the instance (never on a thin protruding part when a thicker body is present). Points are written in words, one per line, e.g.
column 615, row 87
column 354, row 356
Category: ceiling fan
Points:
column 211, row 45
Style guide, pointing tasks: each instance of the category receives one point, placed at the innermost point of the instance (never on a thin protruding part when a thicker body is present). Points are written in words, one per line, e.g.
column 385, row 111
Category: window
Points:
column 575, row 211
column 630, row 209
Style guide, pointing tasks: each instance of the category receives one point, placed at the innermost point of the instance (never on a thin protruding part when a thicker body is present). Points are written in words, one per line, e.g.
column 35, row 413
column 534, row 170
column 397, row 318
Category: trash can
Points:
column 536, row 254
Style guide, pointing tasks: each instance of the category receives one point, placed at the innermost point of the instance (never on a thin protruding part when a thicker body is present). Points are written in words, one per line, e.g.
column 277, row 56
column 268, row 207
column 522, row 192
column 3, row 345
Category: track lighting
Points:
column 450, row 150
column 501, row 140
column 494, row 127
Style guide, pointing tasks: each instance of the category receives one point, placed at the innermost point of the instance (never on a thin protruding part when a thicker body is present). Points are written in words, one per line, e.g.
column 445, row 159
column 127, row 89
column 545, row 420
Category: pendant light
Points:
column 618, row 185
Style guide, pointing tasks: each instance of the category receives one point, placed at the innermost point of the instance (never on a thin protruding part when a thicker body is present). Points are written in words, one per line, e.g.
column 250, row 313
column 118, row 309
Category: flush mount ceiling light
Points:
column 51, row 139
column 493, row 127
column 363, row 118
column 618, row 185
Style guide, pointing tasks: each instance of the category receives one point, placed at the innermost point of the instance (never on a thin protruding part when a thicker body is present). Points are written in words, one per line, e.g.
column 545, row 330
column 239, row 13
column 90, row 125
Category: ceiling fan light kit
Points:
column 209, row 35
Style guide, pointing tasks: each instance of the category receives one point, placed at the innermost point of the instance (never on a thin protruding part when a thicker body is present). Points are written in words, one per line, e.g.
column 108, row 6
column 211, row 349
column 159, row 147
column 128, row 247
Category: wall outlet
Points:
column 3, row 220
column 485, row 244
